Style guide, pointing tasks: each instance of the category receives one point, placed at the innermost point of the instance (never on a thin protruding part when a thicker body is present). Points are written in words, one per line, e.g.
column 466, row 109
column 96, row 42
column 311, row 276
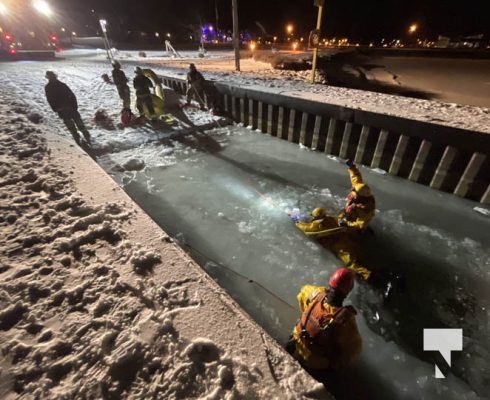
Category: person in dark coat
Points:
column 142, row 87
column 195, row 88
column 63, row 101
column 121, row 81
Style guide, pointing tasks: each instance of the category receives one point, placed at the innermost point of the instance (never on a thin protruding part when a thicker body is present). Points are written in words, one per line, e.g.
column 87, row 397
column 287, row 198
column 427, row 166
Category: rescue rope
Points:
column 249, row 280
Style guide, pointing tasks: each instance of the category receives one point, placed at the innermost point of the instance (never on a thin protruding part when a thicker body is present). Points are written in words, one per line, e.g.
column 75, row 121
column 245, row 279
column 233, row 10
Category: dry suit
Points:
column 345, row 339
column 142, row 87
column 342, row 244
column 360, row 206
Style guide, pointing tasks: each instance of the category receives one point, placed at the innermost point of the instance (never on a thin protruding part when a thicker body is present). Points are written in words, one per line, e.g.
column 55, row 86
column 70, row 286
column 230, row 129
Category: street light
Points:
column 3, row 9
column 42, row 7
column 412, row 28
column 289, row 29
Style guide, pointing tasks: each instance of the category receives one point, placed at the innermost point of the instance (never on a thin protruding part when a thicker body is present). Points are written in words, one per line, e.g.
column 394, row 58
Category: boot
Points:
column 87, row 137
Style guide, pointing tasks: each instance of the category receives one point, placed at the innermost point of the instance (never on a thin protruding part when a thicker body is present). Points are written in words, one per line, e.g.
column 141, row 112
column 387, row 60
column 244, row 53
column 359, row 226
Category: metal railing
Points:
column 445, row 158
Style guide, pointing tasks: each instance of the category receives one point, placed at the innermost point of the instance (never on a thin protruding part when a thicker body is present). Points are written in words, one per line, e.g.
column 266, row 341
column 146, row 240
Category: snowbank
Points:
column 97, row 302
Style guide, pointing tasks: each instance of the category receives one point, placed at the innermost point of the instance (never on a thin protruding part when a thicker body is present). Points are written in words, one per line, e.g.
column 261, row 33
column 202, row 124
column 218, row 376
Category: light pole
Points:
column 236, row 34
column 319, row 4
column 411, row 31
column 103, row 25
column 289, row 30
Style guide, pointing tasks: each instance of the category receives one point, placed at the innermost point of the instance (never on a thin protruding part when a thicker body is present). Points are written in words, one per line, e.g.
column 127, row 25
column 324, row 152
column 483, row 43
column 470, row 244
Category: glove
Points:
column 350, row 163
column 343, row 221
column 295, row 217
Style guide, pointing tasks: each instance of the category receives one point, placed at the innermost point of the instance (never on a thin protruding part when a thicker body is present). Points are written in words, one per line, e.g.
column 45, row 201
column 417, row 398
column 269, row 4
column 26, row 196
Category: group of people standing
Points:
column 63, row 101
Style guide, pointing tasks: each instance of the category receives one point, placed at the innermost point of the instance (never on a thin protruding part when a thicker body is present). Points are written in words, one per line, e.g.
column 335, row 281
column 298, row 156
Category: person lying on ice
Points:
column 341, row 234
column 326, row 335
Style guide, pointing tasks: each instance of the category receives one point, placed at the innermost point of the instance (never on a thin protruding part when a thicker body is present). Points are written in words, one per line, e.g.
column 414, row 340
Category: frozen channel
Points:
column 222, row 194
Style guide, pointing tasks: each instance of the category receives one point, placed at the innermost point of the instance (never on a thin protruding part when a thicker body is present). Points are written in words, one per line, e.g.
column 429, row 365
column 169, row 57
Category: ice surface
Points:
column 223, row 193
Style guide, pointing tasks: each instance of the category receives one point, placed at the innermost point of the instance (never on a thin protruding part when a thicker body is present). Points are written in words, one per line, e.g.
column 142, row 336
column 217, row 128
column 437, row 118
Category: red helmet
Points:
column 342, row 280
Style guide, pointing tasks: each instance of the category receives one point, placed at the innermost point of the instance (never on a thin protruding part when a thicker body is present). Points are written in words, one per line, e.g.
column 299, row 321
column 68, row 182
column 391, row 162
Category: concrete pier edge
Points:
column 244, row 339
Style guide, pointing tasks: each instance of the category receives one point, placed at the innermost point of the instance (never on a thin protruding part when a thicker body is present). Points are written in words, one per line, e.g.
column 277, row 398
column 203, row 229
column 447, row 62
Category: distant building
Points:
column 470, row 42
column 442, row 42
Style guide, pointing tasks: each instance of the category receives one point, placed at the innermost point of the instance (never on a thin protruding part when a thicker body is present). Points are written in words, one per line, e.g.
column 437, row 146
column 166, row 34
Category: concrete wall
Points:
column 445, row 158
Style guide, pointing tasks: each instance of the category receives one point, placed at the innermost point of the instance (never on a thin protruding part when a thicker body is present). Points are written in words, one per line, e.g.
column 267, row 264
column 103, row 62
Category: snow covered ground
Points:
column 75, row 268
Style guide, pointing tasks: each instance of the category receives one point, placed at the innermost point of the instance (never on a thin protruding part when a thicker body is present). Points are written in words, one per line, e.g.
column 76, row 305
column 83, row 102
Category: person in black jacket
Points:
column 121, row 82
column 63, row 101
column 195, row 82
column 142, row 87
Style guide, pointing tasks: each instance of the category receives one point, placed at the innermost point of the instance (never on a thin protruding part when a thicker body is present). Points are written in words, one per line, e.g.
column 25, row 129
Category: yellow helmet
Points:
column 318, row 212
column 362, row 190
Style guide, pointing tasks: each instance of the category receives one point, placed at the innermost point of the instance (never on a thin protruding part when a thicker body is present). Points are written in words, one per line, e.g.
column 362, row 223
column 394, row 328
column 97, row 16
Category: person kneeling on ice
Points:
column 326, row 335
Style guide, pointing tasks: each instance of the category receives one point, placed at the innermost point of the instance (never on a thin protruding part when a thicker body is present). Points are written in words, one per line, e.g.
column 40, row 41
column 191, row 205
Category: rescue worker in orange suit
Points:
column 326, row 335
column 64, row 102
column 142, row 87
column 360, row 206
column 121, row 82
column 340, row 234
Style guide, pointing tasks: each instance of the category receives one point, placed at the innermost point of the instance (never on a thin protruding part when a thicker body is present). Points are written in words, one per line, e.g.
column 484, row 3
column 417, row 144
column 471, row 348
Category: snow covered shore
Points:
column 97, row 302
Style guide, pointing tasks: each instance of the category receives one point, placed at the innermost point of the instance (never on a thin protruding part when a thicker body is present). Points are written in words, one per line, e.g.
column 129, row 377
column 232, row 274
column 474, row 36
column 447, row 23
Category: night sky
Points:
column 355, row 19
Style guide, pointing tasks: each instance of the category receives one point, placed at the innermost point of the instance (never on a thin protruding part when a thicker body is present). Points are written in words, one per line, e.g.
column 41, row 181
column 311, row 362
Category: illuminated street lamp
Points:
column 412, row 28
column 42, row 7
column 3, row 9
column 289, row 29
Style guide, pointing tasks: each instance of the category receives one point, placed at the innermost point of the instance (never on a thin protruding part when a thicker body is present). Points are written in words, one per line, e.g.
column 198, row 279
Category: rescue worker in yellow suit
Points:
column 326, row 335
column 340, row 235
